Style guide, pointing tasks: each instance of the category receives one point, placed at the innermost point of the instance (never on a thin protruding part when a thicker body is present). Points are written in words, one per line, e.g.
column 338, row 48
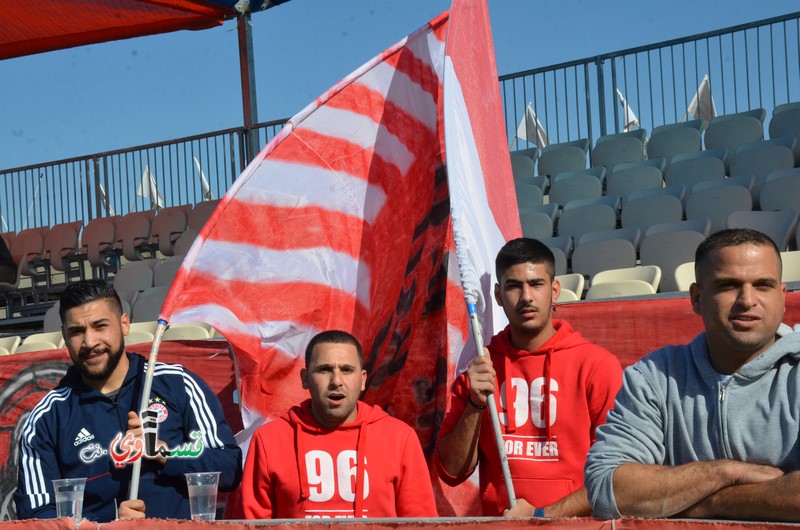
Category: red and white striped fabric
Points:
column 343, row 222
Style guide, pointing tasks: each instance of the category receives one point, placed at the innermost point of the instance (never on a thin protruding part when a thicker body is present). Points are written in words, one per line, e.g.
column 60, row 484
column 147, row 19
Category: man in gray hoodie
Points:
column 710, row 429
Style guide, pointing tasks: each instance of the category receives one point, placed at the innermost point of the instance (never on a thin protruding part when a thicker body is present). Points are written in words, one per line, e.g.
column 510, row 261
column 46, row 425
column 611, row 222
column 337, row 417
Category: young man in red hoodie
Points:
column 552, row 388
column 334, row 456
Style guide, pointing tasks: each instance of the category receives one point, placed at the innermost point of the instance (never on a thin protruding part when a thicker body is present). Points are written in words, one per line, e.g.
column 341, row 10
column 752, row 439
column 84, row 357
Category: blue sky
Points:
column 120, row 94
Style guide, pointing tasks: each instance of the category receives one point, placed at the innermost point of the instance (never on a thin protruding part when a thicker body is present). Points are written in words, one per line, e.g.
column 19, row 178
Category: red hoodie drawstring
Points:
column 358, row 508
column 302, row 472
column 547, row 392
column 510, row 412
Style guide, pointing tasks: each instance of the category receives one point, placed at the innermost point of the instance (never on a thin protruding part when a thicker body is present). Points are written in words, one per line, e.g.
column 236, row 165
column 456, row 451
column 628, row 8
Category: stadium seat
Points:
column 598, row 172
column 54, row 337
column 58, row 256
column 781, row 190
column 185, row 242
column 717, row 204
column 200, row 213
column 673, row 139
column 619, row 289
column 645, row 273
column 530, row 152
column 635, row 176
column 745, row 181
column 567, row 295
column 690, row 168
column 561, row 157
column 700, row 224
column 577, row 221
column 37, row 346
column 560, row 260
column 535, row 225
column 762, row 158
column 168, row 225
column 778, row 225
column 187, row 332
column 528, row 194
column 677, row 191
column 97, row 244
column 8, row 345
column 148, row 304
column 684, row 276
column 786, row 122
column 644, row 212
column 791, row 266
column 732, row 130
column 138, row 337
column 612, row 150
column 522, row 167
column 668, row 250
column 562, row 243
column 164, row 272
column 573, row 282
column 133, row 235
column 564, row 190
column 134, row 278
column 632, row 234
column 595, row 256
column 611, row 200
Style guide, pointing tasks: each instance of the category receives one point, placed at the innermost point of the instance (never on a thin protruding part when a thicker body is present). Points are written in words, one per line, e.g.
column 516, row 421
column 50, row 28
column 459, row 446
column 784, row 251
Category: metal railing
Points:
column 748, row 66
column 755, row 65
column 182, row 171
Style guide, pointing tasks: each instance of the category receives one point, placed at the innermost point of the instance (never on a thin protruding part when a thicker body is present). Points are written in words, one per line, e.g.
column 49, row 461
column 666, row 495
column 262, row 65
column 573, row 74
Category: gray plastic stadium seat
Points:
column 762, row 158
column 535, row 225
column 745, row 181
column 528, row 194
column 667, row 141
column 530, row 152
column 779, row 226
column 668, row 250
column 690, row 168
column 560, row 260
column 616, row 149
column 639, row 134
column 573, row 282
column 522, row 167
column 632, row 234
column 595, row 256
column 566, row 156
column 644, row 212
column 635, row 176
column 133, row 278
column 577, row 221
column 781, row 190
column 786, row 122
column 700, row 224
column 563, row 243
column 576, row 187
column 612, row 200
column 598, row 172
column 677, row 191
column 148, row 304
column 732, row 130
column 717, row 204
column 165, row 271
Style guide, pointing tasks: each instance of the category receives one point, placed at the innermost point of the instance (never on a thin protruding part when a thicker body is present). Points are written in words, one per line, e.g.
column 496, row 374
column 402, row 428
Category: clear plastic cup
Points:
column 203, row 495
column 69, row 497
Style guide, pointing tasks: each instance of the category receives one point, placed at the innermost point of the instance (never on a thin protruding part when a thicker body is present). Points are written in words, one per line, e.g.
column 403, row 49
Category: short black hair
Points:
column 334, row 336
column 87, row 291
column 524, row 250
column 732, row 237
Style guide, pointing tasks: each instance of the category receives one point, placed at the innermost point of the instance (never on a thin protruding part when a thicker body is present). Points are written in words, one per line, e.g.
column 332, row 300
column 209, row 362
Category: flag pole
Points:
column 471, row 286
column 148, row 385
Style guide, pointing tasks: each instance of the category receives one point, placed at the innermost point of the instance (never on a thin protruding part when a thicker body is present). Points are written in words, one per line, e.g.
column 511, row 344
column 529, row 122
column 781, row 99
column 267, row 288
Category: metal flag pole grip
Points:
column 498, row 438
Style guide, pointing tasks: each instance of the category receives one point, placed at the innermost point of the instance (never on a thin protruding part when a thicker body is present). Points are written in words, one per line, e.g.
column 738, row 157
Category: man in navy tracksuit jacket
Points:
column 88, row 427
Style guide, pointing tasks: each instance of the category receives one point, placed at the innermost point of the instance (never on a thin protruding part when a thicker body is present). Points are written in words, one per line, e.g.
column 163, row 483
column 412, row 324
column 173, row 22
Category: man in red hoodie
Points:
column 334, row 456
column 552, row 388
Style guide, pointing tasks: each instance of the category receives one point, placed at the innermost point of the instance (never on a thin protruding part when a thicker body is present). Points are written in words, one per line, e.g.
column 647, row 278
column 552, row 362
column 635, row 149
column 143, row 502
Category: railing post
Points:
column 601, row 96
column 97, row 210
column 247, row 69
column 614, row 93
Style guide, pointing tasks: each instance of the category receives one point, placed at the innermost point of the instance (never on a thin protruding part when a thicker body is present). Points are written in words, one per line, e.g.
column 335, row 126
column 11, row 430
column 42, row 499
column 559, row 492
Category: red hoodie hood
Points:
column 564, row 338
column 302, row 421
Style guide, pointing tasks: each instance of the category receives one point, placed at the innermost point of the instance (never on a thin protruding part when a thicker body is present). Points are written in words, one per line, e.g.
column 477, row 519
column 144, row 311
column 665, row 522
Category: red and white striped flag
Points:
column 343, row 222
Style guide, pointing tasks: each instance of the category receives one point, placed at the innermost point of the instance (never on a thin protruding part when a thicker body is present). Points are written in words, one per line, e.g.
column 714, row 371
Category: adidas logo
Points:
column 83, row 437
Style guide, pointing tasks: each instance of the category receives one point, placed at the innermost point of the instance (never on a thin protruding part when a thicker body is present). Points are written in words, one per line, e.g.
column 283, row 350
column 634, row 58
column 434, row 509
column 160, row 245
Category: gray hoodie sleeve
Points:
column 633, row 432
